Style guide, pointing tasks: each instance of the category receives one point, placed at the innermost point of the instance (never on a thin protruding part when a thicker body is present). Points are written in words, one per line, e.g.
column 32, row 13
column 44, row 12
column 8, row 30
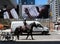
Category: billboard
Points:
column 8, row 14
column 33, row 11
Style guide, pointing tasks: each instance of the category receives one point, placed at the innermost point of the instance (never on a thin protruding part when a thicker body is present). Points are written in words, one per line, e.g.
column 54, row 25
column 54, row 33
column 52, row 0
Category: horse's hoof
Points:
column 26, row 38
column 32, row 39
column 18, row 39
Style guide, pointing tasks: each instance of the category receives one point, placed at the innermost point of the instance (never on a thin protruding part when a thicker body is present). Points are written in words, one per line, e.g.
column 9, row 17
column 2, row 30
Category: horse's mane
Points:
column 32, row 23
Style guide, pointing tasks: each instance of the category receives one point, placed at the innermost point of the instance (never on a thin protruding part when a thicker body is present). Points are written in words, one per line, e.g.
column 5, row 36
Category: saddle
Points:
column 26, row 27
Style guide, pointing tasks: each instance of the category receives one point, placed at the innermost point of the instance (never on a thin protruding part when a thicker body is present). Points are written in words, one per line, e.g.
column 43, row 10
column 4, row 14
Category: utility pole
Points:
column 50, row 1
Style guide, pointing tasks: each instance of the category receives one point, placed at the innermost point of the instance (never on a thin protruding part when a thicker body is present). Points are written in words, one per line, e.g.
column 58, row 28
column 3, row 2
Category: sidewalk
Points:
column 38, row 40
column 55, row 32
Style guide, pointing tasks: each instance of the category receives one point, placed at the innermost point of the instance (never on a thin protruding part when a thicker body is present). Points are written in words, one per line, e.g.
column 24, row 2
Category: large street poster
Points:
column 33, row 11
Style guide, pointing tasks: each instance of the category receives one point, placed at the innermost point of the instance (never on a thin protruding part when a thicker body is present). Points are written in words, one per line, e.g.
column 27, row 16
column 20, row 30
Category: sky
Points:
column 41, row 2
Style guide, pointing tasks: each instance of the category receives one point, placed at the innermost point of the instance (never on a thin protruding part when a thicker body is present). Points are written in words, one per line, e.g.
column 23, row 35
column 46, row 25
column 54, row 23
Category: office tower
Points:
column 54, row 8
column 59, row 6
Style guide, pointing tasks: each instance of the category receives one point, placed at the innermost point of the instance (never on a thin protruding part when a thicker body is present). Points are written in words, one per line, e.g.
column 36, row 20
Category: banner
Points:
column 33, row 11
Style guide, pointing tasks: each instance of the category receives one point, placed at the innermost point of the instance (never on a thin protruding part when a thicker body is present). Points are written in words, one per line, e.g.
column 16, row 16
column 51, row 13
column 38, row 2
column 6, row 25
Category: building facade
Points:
column 59, row 6
column 54, row 8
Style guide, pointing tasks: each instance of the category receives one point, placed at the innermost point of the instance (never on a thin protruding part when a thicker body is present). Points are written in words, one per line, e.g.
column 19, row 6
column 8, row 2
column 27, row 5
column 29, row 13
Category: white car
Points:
column 15, row 24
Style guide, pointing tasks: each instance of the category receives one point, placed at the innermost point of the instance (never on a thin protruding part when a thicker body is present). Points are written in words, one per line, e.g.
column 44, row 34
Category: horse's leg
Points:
column 31, row 35
column 27, row 35
column 18, row 36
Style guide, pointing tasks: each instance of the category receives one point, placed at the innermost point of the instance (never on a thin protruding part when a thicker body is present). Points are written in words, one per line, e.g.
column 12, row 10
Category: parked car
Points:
column 42, row 29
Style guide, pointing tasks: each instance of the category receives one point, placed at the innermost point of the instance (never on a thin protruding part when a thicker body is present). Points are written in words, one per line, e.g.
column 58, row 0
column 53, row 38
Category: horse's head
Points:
column 38, row 25
column 34, row 24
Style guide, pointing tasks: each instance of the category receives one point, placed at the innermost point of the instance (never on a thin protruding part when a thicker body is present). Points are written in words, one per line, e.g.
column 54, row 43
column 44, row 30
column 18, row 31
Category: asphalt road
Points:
column 39, row 42
column 53, row 38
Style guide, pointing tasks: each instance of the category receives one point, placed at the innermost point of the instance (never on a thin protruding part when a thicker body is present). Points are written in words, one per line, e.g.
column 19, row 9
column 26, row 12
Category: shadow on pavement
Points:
column 37, row 34
column 27, row 39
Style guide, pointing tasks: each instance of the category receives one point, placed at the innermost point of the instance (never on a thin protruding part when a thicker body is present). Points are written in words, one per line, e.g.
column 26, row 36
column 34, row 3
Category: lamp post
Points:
column 50, row 15
column 49, row 22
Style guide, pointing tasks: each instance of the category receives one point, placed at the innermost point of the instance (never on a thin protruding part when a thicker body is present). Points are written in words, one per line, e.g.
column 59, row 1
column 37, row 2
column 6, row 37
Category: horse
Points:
column 27, row 30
